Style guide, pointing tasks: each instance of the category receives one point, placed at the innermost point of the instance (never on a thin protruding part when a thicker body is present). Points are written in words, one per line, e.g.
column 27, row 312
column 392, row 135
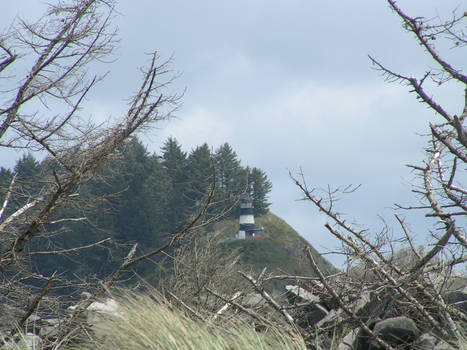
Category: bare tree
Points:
column 413, row 282
column 45, row 78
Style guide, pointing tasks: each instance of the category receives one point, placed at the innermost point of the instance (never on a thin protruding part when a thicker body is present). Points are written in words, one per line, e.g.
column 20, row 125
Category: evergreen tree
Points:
column 27, row 170
column 174, row 161
column 231, row 177
column 132, row 221
column 199, row 172
column 228, row 168
column 157, row 189
column 260, row 187
column 5, row 178
column 27, row 167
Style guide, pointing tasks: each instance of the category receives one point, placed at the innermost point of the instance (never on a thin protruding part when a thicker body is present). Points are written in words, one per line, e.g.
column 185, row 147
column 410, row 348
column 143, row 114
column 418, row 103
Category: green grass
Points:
column 282, row 248
column 256, row 254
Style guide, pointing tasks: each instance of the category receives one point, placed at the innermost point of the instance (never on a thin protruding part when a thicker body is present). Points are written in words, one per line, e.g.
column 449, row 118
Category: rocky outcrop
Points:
column 44, row 329
column 395, row 331
column 382, row 314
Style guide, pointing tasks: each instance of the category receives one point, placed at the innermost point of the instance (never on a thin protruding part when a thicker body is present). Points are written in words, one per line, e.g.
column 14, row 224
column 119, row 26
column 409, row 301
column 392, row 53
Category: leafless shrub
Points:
column 45, row 71
column 411, row 281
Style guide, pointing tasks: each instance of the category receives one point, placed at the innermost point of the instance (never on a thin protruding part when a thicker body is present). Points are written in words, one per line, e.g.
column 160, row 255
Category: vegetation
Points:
column 141, row 198
column 150, row 322
column 99, row 196
column 281, row 249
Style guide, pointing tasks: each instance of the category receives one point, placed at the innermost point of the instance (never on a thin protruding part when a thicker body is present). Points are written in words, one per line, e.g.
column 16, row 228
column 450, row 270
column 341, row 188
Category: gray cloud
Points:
column 288, row 85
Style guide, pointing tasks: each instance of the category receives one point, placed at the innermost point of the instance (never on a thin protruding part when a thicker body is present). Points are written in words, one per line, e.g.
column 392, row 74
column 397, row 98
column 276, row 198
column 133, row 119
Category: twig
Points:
column 226, row 305
column 197, row 315
column 33, row 305
column 269, row 299
column 7, row 197
column 71, row 250
column 342, row 303
column 250, row 313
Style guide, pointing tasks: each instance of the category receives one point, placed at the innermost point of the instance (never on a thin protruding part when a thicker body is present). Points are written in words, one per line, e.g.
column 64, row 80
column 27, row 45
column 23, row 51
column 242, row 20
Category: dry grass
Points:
column 152, row 323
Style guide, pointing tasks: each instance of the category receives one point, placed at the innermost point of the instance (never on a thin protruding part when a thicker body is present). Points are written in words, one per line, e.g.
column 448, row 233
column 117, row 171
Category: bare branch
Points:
column 268, row 298
column 7, row 197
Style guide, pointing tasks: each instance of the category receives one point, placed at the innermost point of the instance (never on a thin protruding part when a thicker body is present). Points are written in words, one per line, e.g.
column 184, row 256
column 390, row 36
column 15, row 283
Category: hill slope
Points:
column 281, row 249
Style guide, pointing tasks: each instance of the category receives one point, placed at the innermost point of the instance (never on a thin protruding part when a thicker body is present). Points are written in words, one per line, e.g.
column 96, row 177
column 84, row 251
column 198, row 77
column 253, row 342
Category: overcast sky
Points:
column 289, row 85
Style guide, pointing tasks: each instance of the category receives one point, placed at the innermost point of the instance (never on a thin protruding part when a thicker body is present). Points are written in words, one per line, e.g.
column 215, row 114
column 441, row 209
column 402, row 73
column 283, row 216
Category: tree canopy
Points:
column 138, row 197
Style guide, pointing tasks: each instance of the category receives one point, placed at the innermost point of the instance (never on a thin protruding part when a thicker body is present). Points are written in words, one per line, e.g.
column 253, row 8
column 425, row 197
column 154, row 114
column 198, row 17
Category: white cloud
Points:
column 197, row 126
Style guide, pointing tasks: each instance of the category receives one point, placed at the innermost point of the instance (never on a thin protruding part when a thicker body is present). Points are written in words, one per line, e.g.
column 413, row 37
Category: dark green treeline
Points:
column 137, row 197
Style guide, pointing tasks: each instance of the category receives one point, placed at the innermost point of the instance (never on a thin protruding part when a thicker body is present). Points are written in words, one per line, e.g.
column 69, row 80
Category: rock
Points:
column 458, row 299
column 310, row 314
column 28, row 341
column 395, row 331
column 49, row 327
column 99, row 310
column 443, row 346
column 297, row 294
column 425, row 342
column 362, row 340
column 33, row 341
column 253, row 300
column 348, row 342
column 358, row 305
column 334, row 316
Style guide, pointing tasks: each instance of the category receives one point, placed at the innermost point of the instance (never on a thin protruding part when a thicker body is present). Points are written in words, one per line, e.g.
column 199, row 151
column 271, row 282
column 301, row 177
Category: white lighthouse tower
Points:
column 247, row 220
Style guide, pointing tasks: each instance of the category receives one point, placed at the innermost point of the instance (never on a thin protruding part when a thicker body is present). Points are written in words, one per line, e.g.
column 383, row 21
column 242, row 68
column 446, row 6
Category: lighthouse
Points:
column 247, row 220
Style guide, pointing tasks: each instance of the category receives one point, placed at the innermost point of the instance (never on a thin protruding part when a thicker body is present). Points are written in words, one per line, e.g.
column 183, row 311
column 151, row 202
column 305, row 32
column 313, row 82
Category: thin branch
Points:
column 20, row 212
column 417, row 28
column 226, row 305
column 270, row 300
column 33, row 306
column 7, row 197
column 341, row 302
column 71, row 250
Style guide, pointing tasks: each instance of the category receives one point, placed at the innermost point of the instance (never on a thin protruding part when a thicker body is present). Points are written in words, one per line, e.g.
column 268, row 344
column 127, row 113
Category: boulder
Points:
column 458, row 299
column 425, row 342
column 28, row 341
column 298, row 294
column 99, row 310
column 312, row 313
column 348, row 342
column 395, row 331
column 363, row 340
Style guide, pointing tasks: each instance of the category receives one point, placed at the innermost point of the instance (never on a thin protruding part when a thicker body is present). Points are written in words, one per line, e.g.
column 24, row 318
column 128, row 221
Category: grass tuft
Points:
column 151, row 323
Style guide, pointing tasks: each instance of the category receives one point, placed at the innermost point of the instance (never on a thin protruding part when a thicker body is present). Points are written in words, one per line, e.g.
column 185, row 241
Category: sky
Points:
column 289, row 85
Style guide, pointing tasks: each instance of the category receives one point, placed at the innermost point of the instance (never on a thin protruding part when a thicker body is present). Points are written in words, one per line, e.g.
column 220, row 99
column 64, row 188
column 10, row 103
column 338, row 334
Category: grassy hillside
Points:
column 281, row 249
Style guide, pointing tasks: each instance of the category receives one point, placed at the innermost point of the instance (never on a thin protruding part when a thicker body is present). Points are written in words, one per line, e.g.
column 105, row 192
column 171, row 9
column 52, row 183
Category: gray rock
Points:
column 396, row 331
column 33, row 341
column 458, row 299
column 358, row 305
column 295, row 292
column 49, row 327
column 312, row 313
column 363, row 340
column 334, row 316
column 348, row 342
column 425, row 342
column 28, row 341
column 315, row 313
column 443, row 346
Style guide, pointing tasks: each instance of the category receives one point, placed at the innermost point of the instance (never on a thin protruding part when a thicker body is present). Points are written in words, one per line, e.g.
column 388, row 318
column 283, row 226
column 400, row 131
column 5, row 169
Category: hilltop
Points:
column 281, row 250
